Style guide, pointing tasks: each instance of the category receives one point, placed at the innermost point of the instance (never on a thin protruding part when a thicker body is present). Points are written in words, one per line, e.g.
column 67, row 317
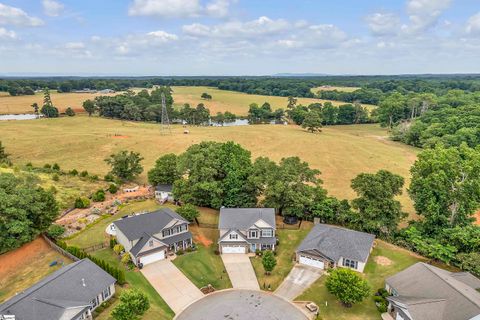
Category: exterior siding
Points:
column 122, row 239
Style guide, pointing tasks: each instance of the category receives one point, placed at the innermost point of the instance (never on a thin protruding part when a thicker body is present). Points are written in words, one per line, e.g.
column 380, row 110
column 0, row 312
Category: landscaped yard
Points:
column 289, row 241
column 385, row 260
column 95, row 233
column 158, row 308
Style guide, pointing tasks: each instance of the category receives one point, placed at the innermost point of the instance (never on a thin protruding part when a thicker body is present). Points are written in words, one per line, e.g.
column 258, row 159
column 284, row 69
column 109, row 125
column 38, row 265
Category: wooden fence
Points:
column 58, row 249
column 96, row 247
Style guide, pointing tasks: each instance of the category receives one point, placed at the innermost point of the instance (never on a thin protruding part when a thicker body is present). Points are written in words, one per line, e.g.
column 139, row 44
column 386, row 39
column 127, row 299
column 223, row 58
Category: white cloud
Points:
column 383, row 24
column 162, row 36
column 52, row 8
column 473, row 24
column 7, row 34
column 75, row 45
column 424, row 14
column 16, row 16
column 137, row 44
column 179, row 8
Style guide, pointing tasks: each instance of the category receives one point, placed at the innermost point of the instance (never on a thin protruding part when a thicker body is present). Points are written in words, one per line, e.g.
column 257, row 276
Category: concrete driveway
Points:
column 172, row 285
column 298, row 280
column 240, row 271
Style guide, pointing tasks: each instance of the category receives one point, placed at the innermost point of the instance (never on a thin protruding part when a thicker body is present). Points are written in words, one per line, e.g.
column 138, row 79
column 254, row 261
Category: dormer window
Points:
column 233, row 236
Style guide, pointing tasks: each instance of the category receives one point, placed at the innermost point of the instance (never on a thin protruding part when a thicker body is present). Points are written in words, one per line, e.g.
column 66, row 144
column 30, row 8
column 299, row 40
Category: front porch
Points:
column 179, row 245
column 253, row 247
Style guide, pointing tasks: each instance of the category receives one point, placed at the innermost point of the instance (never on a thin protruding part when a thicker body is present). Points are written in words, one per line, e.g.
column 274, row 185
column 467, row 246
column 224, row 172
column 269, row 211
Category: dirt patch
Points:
column 477, row 217
column 201, row 238
column 23, row 255
column 120, row 137
column 383, row 261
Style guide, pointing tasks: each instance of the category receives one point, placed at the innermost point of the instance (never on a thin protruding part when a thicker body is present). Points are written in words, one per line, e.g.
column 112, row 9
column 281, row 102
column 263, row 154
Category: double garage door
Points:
column 309, row 261
column 152, row 257
column 233, row 248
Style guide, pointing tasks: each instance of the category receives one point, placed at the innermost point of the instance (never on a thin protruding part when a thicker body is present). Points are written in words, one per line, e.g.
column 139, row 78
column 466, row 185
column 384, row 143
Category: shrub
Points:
column 118, row 248
column 133, row 304
column 113, row 242
column 180, row 252
column 126, row 258
column 109, row 177
column 56, row 167
column 69, row 112
column 55, row 177
column 55, row 231
column 98, row 196
column 47, row 166
column 112, row 188
column 81, row 203
column 94, row 177
column 73, row 172
column 84, row 174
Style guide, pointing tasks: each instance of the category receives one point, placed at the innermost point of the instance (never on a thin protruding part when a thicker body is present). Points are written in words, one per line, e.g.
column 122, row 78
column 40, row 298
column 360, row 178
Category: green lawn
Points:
column 208, row 216
column 375, row 274
column 203, row 267
column 289, row 240
column 159, row 310
column 95, row 233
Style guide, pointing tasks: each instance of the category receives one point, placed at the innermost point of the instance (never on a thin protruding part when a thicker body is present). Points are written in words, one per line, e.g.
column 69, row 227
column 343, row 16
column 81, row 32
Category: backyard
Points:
column 385, row 260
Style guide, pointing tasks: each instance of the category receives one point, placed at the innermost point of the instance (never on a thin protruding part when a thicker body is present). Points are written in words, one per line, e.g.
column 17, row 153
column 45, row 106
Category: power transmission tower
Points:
column 165, row 126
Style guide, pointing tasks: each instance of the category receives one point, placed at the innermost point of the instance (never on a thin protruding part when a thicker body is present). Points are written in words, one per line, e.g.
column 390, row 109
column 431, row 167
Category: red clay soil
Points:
column 477, row 216
column 199, row 237
column 120, row 137
column 24, row 255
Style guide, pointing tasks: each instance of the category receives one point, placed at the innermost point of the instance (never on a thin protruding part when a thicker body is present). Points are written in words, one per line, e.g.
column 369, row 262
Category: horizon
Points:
column 238, row 37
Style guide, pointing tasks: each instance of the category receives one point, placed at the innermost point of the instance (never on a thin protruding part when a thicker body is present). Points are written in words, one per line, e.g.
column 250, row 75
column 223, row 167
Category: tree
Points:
column 4, row 156
column 81, row 203
column 469, row 262
column 55, row 231
column 165, row 170
column 49, row 111
column 392, row 109
column 47, row 101
column 27, row 210
column 445, row 186
column 133, row 304
column 292, row 102
column 215, row 174
column 312, row 122
column 347, row 286
column 69, row 112
column 268, row 261
column 112, row 188
column 329, row 113
column 89, row 107
column 125, row 165
column 35, row 108
column 378, row 210
column 288, row 186
column 98, row 196
column 206, row 96
column 189, row 212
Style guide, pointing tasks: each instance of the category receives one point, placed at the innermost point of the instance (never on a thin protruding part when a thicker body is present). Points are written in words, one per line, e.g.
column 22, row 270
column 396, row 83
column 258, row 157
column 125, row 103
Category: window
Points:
column 94, row 303
column 253, row 234
column 106, row 293
column 350, row 263
column 150, row 243
column 233, row 236
column 267, row 233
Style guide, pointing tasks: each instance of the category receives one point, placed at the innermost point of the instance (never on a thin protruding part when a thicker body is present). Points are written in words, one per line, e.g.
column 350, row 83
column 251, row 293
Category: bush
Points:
column 56, row 167
column 84, row 174
column 98, row 196
column 73, row 172
column 47, row 166
column 180, row 252
column 82, row 203
column 113, row 242
column 112, row 188
column 69, row 112
column 109, row 177
column 94, row 177
column 126, row 258
column 118, row 248
column 133, row 304
column 55, row 231
column 55, row 177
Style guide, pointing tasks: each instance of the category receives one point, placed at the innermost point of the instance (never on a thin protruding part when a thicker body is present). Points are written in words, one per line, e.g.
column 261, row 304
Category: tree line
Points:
column 445, row 188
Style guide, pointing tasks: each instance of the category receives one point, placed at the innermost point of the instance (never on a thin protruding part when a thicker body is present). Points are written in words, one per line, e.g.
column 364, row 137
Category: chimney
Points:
column 83, row 282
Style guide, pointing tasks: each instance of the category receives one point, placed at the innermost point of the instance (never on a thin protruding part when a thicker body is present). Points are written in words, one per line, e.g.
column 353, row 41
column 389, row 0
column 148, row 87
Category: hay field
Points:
column 340, row 152
column 331, row 88
column 236, row 102
column 222, row 101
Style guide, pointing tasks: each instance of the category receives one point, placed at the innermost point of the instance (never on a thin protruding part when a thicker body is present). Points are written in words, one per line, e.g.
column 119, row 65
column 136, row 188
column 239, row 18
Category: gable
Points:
column 261, row 224
column 156, row 244
column 226, row 236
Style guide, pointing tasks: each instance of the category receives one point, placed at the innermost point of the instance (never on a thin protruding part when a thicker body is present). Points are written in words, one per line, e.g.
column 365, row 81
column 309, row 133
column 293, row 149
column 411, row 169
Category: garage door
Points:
column 152, row 257
column 233, row 249
column 312, row 262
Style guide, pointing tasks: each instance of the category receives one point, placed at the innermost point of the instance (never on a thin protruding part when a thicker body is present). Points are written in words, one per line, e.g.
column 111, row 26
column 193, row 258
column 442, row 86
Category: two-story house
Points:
column 244, row 230
column 149, row 237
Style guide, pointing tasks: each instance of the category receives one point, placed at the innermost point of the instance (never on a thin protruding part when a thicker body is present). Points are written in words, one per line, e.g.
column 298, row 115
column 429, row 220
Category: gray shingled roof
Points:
column 335, row 242
column 135, row 226
column 421, row 308
column 425, row 281
column 244, row 218
column 60, row 295
column 164, row 187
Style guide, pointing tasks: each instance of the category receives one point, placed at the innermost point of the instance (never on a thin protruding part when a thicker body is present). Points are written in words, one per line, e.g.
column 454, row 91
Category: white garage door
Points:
column 152, row 257
column 233, row 249
column 312, row 262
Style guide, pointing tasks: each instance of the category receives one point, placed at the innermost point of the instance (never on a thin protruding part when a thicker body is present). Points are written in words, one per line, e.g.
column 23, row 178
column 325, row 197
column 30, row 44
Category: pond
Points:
column 18, row 117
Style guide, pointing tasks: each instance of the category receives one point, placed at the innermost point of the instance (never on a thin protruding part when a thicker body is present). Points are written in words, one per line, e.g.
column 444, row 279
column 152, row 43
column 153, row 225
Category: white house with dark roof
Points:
column 149, row 237
column 425, row 292
column 244, row 230
column 70, row 293
column 163, row 193
column 329, row 246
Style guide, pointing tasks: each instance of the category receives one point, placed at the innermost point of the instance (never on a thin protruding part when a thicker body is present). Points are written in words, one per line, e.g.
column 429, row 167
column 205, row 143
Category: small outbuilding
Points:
column 163, row 193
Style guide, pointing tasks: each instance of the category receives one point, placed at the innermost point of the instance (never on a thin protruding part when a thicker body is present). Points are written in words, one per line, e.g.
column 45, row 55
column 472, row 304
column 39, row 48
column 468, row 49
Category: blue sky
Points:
column 239, row 37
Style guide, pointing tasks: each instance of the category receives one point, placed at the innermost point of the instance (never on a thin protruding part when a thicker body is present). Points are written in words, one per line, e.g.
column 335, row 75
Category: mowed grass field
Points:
column 331, row 88
column 235, row 102
column 222, row 100
column 80, row 142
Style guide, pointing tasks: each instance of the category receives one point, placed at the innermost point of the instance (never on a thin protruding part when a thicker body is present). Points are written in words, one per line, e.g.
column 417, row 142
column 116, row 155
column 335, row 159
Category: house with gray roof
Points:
column 150, row 237
column 425, row 292
column 70, row 293
column 244, row 230
column 329, row 246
